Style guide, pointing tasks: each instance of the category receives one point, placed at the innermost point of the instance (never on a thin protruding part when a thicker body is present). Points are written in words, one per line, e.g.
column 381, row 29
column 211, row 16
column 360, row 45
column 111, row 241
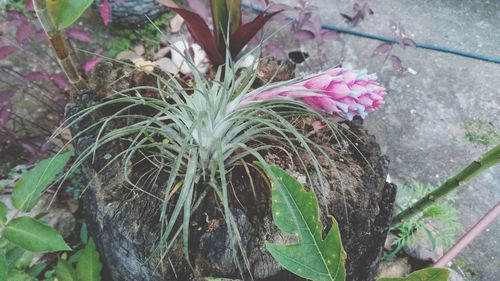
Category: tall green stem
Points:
column 61, row 46
column 486, row 161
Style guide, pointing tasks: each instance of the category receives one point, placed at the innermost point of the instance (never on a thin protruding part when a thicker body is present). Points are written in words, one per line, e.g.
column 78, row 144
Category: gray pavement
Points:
column 421, row 127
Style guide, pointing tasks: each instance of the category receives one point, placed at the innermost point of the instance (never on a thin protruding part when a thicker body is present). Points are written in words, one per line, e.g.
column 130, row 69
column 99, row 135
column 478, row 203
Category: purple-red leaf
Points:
column 29, row 6
column 105, row 12
column 78, row 33
column 396, row 64
column 5, row 112
column 6, row 51
column 279, row 7
column 6, row 95
column 35, row 76
column 382, row 49
column 201, row 35
column 90, row 64
column 275, row 51
column 60, row 81
column 247, row 31
column 303, row 35
column 329, row 34
column 409, row 42
column 24, row 31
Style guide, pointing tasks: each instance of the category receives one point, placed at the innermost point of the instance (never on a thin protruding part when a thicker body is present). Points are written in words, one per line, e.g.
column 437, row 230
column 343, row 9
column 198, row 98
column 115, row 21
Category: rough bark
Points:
column 125, row 222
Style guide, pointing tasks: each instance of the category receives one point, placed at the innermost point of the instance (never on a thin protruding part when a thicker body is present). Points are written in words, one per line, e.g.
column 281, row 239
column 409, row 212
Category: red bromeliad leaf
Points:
column 199, row 7
column 35, row 76
column 90, row 64
column 79, row 34
column 303, row 35
column 105, row 11
column 5, row 112
column 24, row 31
column 201, row 35
column 247, row 31
column 6, row 51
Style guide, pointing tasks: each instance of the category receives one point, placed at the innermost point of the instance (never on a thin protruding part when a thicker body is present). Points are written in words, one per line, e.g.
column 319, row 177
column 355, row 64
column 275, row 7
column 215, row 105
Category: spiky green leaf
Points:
column 31, row 186
column 89, row 266
column 427, row 274
column 296, row 212
column 34, row 236
column 65, row 12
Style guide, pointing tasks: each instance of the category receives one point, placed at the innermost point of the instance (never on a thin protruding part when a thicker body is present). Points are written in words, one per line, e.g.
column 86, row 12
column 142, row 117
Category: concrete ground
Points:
column 421, row 127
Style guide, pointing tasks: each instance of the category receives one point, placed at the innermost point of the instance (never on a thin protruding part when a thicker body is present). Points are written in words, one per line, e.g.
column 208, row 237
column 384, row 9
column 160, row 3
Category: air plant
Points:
column 229, row 33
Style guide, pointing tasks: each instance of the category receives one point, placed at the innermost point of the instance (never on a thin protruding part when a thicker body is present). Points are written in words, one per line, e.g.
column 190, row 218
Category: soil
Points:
column 125, row 221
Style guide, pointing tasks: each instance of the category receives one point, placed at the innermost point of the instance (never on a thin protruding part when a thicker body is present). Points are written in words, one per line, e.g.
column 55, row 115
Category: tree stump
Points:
column 133, row 12
column 125, row 223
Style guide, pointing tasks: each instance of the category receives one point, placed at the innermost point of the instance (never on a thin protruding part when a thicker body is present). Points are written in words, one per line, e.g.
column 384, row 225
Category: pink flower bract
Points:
column 337, row 92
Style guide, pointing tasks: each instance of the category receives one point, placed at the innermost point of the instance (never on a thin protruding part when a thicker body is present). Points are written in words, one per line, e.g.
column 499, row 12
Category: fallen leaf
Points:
column 139, row 49
column 176, row 23
column 127, row 55
column 167, row 65
column 162, row 52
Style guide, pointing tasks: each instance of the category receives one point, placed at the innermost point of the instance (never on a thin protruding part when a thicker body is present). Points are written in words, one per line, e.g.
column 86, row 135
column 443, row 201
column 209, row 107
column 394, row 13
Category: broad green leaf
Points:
column 17, row 275
column 3, row 214
column 65, row 12
column 296, row 212
column 64, row 271
column 3, row 267
column 427, row 274
column 89, row 266
column 36, row 269
column 13, row 255
column 34, row 236
column 30, row 187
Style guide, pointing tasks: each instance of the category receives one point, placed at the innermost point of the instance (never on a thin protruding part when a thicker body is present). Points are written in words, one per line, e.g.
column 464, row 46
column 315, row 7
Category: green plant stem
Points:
column 486, row 161
column 60, row 45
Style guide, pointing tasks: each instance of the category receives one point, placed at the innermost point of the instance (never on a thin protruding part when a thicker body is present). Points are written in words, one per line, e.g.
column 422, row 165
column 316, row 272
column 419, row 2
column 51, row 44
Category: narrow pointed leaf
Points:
column 30, row 187
column 89, row 266
column 34, row 236
column 65, row 12
column 296, row 213
column 247, row 31
column 234, row 14
column 427, row 274
column 201, row 34
column 220, row 17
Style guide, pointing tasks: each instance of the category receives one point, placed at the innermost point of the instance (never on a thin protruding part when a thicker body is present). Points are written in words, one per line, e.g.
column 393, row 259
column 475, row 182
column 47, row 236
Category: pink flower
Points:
column 337, row 92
